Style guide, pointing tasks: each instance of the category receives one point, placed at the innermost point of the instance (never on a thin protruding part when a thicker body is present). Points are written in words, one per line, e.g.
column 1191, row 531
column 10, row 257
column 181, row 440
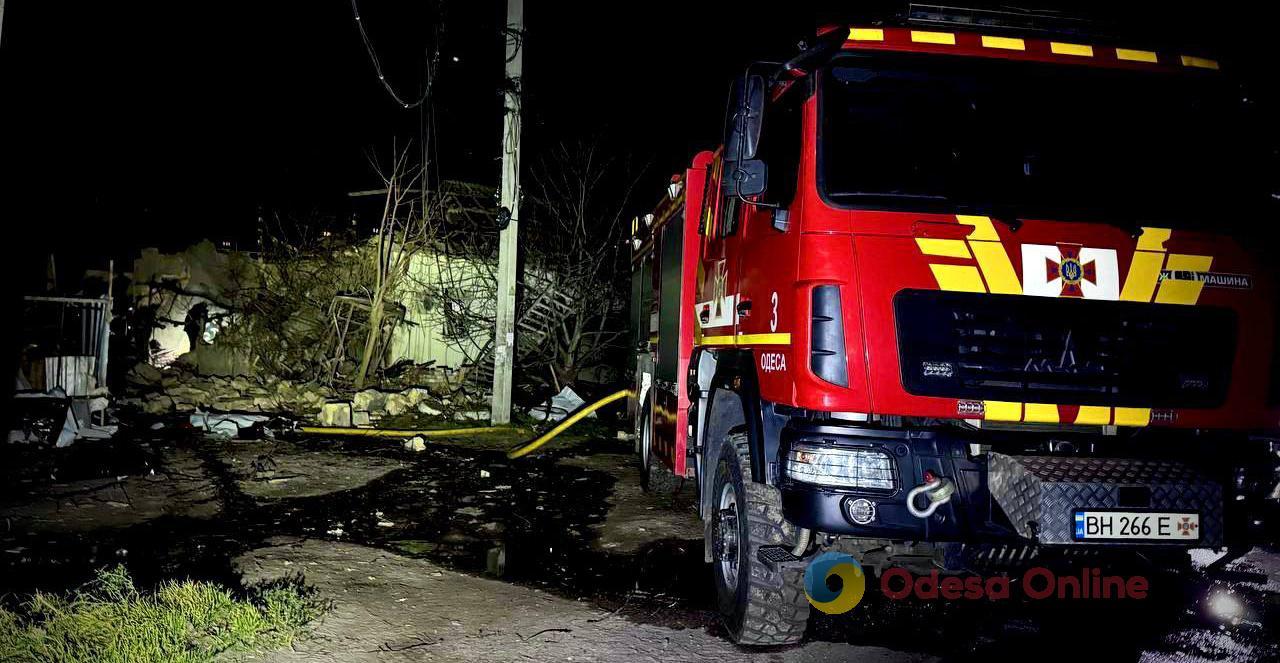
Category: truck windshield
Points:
column 1033, row 140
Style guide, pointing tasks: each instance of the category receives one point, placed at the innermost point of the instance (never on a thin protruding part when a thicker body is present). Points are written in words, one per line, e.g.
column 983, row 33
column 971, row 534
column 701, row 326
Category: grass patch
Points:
column 110, row 620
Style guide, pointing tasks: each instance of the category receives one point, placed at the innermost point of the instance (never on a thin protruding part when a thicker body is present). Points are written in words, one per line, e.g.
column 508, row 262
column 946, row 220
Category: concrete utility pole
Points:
column 504, row 332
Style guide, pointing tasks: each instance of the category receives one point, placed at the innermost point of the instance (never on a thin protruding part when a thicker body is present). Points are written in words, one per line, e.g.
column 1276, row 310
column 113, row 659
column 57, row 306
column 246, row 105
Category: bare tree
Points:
column 402, row 230
column 577, row 267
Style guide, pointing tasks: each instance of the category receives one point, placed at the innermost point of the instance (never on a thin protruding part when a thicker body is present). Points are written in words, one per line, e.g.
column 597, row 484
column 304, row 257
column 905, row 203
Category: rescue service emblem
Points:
column 981, row 263
column 1070, row 270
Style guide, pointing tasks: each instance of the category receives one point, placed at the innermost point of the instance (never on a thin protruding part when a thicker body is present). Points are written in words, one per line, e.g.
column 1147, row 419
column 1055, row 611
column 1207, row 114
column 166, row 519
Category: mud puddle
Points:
column 527, row 521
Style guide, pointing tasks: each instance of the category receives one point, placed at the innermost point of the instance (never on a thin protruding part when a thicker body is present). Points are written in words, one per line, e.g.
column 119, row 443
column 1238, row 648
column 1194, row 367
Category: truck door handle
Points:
column 744, row 308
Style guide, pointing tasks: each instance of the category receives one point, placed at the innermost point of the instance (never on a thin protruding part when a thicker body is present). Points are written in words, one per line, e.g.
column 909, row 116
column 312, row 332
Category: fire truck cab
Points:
column 956, row 298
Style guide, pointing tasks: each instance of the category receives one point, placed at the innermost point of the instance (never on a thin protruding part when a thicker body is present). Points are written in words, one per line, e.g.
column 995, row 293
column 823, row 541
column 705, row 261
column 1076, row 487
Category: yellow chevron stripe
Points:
column 1144, row 272
column 996, row 268
column 1153, row 239
column 949, row 248
column 958, row 278
column 1183, row 292
column 983, row 229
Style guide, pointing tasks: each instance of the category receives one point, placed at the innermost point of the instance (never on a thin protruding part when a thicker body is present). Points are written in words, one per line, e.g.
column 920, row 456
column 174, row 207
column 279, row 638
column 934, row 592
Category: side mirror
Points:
column 745, row 118
column 745, row 178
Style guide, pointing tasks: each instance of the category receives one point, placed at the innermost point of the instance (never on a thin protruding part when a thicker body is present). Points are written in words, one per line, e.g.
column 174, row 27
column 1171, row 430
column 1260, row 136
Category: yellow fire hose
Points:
column 383, row 432
column 522, row 450
column 569, row 421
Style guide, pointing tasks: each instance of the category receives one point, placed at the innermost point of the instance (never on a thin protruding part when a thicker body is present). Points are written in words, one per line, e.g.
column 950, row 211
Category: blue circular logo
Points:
column 1071, row 270
column 832, row 601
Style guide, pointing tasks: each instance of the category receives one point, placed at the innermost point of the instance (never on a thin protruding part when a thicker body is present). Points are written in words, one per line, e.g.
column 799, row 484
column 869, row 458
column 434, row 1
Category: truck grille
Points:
column 1070, row 351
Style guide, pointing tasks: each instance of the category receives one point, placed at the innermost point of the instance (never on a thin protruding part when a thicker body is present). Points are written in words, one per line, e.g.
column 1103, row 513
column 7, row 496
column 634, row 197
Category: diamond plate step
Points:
column 1040, row 494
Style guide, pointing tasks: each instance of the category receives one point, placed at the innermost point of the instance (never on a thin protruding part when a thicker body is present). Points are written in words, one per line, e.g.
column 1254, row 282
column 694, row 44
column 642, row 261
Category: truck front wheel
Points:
column 759, row 606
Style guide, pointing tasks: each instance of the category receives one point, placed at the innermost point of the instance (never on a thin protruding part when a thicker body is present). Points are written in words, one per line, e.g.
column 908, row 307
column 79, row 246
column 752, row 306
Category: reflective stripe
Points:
column 1001, row 411
column 949, row 248
column 1007, row 43
column 1183, row 292
column 748, row 339
column 1203, row 63
column 866, row 34
column 1153, row 239
column 1041, row 413
column 959, row 278
column 983, row 229
column 1133, row 416
column 1135, row 55
column 1144, row 272
column 1096, row 415
column 1060, row 48
column 925, row 37
column 996, row 268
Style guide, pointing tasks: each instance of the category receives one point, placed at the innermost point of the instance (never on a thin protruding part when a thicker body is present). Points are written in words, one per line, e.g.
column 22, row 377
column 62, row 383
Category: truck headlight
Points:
column 844, row 468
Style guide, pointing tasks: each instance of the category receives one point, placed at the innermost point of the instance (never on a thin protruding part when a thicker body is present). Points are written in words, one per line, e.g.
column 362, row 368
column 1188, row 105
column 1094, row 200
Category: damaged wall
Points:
column 168, row 288
column 427, row 335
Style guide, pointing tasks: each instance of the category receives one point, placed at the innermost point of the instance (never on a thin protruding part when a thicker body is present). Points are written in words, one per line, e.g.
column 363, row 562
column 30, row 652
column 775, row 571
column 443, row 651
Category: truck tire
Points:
column 758, row 606
column 655, row 476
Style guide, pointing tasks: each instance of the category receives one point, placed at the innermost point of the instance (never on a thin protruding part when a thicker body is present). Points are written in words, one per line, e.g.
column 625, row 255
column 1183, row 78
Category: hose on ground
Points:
column 383, row 432
column 578, row 415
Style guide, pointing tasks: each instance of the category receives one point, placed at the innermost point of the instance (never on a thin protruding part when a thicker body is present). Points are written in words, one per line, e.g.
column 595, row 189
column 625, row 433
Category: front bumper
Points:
column 1041, row 494
column 914, row 451
column 1011, row 497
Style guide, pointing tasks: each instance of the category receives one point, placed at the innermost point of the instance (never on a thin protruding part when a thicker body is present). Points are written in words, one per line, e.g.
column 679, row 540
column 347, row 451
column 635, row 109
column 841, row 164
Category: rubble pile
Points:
column 156, row 391
column 368, row 407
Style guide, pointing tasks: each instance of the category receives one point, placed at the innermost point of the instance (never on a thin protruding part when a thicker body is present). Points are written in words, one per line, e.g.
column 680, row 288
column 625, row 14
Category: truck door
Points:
column 718, row 275
column 767, row 249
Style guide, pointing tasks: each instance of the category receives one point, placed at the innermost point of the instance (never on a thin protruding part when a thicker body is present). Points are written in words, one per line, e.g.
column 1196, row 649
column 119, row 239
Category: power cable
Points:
column 377, row 65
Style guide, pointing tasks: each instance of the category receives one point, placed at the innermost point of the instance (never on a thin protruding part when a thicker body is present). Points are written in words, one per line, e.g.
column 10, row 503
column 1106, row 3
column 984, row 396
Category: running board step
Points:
column 1041, row 494
column 778, row 558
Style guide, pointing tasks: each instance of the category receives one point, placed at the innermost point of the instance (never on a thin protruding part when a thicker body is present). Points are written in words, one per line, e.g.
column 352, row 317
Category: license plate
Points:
column 1137, row 526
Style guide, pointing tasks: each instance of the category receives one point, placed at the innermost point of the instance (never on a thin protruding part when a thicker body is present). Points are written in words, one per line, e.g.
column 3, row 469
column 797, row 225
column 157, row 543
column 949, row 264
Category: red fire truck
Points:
column 952, row 297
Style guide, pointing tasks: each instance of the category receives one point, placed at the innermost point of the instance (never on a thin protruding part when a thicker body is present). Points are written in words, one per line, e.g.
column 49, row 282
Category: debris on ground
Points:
column 559, row 406
column 54, row 418
column 226, row 426
column 176, row 388
column 336, row 414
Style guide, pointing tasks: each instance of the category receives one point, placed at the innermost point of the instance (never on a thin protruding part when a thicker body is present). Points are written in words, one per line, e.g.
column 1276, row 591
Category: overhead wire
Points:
column 377, row 65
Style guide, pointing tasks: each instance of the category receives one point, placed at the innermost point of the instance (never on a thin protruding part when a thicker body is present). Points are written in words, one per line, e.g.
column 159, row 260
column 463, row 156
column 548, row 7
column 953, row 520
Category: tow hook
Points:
column 937, row 490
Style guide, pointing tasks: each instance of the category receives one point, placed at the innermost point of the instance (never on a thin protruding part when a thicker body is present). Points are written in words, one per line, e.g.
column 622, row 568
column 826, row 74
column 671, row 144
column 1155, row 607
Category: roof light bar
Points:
column 986, row 19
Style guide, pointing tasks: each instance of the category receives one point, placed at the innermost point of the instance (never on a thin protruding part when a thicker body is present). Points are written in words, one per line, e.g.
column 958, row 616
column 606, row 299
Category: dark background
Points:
column 161, row 123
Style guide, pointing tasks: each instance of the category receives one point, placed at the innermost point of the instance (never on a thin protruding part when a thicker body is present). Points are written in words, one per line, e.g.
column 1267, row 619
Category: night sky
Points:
column 158, row 123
